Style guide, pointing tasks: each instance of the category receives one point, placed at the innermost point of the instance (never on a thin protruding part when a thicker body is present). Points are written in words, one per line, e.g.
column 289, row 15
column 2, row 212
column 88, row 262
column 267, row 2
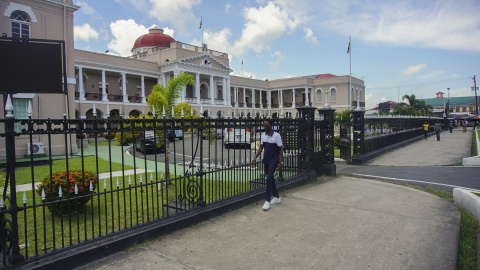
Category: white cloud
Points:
column 264, row 25
column 448, row 24
column 413, row 69
column 218, row 41
column 85, row 8
column 278, row 59
column 176, row 12
column 309, row 36
column 84, row 33
column 125, row 32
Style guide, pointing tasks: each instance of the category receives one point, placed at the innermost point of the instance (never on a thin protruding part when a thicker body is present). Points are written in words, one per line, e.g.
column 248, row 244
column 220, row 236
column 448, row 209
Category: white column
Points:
column 144, row 99
column 235, row 96
column 104, row 87
column 280, row 105
column 224, row 91
column 260, row 92
column 244, row 99
column 253, row 98
column 212, row 90
column 229, row 96
column 124, row 86
column 269, row 99
column 81, row 87
column 163, row 79
column 293, row 98
column 307, row 97
column 197, row 87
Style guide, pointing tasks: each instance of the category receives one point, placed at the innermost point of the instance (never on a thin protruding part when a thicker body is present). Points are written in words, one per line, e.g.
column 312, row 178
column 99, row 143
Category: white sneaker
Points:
column 266, row 206
column 275, row 200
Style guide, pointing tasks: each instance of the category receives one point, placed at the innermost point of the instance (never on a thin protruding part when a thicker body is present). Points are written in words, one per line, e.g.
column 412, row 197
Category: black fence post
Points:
column 327, row 117
column 305, row 138
column 358, row 136
column 11, row 234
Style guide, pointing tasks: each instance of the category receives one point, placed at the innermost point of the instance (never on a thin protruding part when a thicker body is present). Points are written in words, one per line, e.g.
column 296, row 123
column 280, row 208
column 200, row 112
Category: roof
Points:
column 454, row 101
column 155, row 37
column 392, row 105
column 324, row 75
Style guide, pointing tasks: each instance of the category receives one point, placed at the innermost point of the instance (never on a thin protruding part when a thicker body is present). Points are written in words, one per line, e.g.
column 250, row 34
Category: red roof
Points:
column 324, row 75
column 155, row 37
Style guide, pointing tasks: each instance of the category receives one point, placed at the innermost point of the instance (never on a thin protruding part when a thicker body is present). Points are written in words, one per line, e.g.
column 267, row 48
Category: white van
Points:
column 237, row 133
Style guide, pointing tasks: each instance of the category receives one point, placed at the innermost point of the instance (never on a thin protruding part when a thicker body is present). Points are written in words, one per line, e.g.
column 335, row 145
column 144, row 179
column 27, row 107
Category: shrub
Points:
column 67, row 182
column 109, row 135
column 336, row 141
column 80, row 135
column 128, row 138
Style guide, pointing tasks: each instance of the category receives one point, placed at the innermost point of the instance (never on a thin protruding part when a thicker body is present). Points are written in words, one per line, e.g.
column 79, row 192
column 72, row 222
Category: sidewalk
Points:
column 339, row 223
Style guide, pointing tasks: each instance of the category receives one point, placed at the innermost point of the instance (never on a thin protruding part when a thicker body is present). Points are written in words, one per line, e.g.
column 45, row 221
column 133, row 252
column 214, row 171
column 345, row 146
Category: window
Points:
column 20, row 107
column 319, row 95
column 333, row 95
column 20, row 24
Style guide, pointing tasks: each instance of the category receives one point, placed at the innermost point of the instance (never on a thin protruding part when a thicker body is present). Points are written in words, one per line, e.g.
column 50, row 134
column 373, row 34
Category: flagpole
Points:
column 201, row 22
column 350, row 76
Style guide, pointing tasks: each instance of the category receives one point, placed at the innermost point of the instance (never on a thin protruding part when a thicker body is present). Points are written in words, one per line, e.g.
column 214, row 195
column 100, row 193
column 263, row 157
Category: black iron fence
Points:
column 137, row 173
column 373, row 135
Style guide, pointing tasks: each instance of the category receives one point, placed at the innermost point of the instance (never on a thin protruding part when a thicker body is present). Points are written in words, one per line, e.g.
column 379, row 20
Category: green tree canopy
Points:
column 164, row 97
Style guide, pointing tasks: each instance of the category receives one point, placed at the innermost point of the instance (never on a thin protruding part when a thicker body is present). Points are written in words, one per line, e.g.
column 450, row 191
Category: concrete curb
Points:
column 473, row 161
column 469, row 201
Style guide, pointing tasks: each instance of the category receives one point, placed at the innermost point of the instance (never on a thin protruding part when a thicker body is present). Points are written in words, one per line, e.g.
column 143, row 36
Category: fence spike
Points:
column 141, row 179
column 129, row 180
column 153, row 111
column 173, row 113
column 94, row 110
column 104, row 184
column 182, row 113
column 158, row 186
column 91, row 186
column 60, row 193
column 43, row 195
column 163, row 111
column 29, row 109
column 76, row 189
column 2, row 203
column 151, row 177
column 117, row 183
column 9, row 108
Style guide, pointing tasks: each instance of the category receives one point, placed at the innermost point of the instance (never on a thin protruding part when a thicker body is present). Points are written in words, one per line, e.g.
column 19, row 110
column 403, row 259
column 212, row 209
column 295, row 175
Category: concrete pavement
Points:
column 335, row 223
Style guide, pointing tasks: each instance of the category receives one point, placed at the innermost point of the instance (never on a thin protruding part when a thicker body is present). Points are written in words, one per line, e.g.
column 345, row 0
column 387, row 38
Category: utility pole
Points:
column 476, row 100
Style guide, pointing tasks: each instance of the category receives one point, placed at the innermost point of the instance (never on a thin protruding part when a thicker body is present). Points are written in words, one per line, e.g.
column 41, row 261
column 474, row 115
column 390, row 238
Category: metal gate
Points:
column 345, row 140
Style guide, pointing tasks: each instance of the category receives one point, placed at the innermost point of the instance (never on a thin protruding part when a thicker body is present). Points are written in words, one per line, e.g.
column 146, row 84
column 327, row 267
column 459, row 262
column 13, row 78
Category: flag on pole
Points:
column 349, row 41
column 242, row 60
column 200, row 23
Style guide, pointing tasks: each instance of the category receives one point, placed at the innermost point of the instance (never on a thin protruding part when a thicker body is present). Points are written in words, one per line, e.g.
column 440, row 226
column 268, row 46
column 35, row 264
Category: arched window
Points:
column 333, row 95
column 204, row 90
column 319, row 95
column 20, row 22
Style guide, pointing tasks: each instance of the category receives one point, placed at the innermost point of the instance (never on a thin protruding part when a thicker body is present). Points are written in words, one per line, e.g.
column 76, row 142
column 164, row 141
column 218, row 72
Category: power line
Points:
column 421, row 84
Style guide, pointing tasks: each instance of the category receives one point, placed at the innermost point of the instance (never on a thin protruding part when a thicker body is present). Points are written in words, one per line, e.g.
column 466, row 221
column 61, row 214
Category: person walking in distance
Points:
column 425, row 129
column 451, row 125
column 271, row 141
column 437, row 128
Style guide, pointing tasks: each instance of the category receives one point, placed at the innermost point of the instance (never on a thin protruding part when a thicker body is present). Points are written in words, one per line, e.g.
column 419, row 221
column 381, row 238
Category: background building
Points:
column 119, row 86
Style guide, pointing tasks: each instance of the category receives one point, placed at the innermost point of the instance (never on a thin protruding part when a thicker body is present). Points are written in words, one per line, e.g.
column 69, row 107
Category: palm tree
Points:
column 164, row 97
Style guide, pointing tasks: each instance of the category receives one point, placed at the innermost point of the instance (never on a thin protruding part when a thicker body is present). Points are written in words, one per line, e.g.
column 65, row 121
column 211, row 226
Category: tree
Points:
column 413, row 106
column 164, row 97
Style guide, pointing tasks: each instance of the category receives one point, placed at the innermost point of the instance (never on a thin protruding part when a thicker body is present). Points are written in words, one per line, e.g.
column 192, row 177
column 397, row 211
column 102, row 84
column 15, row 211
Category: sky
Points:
column 397, row 47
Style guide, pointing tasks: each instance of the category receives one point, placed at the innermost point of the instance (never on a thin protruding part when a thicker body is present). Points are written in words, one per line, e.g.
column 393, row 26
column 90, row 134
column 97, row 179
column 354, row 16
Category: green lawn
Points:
column 24, row 175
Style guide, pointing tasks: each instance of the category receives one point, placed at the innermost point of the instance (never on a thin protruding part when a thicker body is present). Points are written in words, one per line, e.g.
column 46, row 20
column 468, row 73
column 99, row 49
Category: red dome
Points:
column 155, row 37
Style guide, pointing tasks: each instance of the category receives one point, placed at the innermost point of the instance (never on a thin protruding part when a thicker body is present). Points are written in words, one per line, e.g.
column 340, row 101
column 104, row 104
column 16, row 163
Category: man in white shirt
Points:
column 272, row 160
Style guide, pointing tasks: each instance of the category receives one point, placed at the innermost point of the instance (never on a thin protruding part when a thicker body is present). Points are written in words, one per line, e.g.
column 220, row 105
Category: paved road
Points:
column 424, row 163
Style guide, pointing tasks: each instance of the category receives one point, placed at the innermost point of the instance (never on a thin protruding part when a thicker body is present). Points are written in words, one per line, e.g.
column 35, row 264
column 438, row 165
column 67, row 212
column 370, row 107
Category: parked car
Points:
column 220, row 132
column 148, row 143
column 237, row 133
column 173, row 134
